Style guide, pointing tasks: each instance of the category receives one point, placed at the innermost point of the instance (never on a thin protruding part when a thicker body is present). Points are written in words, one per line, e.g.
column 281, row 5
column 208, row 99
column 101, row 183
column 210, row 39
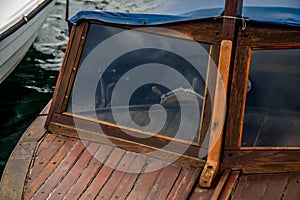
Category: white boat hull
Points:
column 14, row 46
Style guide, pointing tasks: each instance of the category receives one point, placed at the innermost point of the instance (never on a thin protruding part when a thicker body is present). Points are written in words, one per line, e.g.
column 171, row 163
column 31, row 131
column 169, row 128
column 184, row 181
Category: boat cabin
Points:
column 199, row 100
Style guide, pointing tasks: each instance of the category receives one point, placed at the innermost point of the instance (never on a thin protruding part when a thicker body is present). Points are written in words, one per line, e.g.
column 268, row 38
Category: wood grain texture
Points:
column 35, row 184
column 218, row 116
column 88, row 174
column 20, row 160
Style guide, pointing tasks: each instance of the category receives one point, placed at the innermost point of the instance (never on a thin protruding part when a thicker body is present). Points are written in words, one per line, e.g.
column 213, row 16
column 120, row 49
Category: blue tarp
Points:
column 264, row 11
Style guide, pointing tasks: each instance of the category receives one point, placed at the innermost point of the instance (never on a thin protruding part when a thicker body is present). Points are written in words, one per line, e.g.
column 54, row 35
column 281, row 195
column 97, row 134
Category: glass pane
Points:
column 141, row 81
column 272, row 115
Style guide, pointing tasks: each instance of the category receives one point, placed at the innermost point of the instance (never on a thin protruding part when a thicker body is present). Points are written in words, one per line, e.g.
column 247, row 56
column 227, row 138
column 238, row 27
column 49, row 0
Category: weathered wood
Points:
column 16, row 169
column 20, row 160
column 146, row 180
column 116, row 177
column 68, row 71
column 230, row 25
column 271, row 134
column 103, row 175
column 201, row 193
column 45, row 155
column 230, row 185
column 268, row 36
column 261, row 156
column 251, row 128
column 184, row 184
column 239, row 188
column 130, row 178
column 88, row 173
column 117, row 137
column 218, row 116
column 34, row 185
column 57, row 186
column 271, row 186
column 276, row 186
column 221, row 182
column 292, row 190
column 237, row 101
column 208, row 31
column 255, row 187
column 166, row 178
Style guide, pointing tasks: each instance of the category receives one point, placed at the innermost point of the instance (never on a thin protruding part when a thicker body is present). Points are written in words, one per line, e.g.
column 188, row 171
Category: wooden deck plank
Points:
column 45, row 143
column 292, row 190
column 89, row 173
column 61, row 170
column 276, row 186
column 271, row 134
column 146, row 180
column 239, row 188
column 252, row 124
column 46, row 154
column 34, row 184
column 230, row 185
column 201, row 193
column 116, row 177
column 74, row 173
column 255, row 187
column 103, row 175
column 220, row 184
column 130, row 178
column 164, row 182
column 16, row 169
column 184, row 183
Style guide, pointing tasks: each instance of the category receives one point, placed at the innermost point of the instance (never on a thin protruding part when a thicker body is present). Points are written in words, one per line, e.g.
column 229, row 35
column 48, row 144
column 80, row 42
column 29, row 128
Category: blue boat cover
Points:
column 279, row 12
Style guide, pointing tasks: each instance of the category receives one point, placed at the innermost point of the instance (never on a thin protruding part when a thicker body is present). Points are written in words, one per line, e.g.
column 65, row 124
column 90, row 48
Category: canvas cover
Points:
column 263, row 11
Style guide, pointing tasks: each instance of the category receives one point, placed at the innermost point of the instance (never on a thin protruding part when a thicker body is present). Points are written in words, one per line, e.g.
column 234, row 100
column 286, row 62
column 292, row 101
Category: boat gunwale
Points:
column 25, row 19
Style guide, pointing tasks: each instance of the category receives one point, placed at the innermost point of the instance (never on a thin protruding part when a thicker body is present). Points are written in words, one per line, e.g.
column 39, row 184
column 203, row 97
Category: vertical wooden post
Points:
column 218, row 116
column 233, row 8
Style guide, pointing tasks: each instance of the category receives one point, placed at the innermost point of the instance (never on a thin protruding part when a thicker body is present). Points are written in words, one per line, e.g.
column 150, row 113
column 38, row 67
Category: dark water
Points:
column 30, row 87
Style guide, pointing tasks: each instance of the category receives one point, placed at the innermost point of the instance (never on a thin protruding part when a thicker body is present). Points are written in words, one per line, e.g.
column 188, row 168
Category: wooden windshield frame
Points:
column 256, row 159
column 205, row 31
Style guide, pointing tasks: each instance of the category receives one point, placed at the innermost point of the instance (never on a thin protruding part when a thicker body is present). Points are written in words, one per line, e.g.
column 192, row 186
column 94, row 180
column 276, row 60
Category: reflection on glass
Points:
column 272, row 115
column 145, row 82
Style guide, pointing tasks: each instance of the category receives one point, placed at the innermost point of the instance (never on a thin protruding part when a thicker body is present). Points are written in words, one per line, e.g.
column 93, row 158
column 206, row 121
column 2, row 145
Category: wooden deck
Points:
column 60, row 167
column 266, row 128
column 66, row 168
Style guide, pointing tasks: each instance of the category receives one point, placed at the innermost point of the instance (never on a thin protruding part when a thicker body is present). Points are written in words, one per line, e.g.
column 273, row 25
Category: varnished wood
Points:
column 21, row 159
column 103, row 175
column 129, row 145
column 145, row 181
column 218, row 116
column 35, row 184
column 68, row 71
column 206, row 30
column 166, row 180
column 84, row 180
column 222, row 181
column 129, row 179
column 185, row 182
column 237, row 103
column 232, row 181
column 271, row 186
column 268, row 36
column 59, row 185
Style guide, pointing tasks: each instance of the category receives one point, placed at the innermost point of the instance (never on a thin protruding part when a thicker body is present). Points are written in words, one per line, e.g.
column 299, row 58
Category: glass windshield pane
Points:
column 141, row 81
column 272, row 115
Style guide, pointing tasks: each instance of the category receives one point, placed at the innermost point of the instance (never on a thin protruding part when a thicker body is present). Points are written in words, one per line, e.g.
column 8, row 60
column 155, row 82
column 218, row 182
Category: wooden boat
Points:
column 20, row 22
column 246, row 143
